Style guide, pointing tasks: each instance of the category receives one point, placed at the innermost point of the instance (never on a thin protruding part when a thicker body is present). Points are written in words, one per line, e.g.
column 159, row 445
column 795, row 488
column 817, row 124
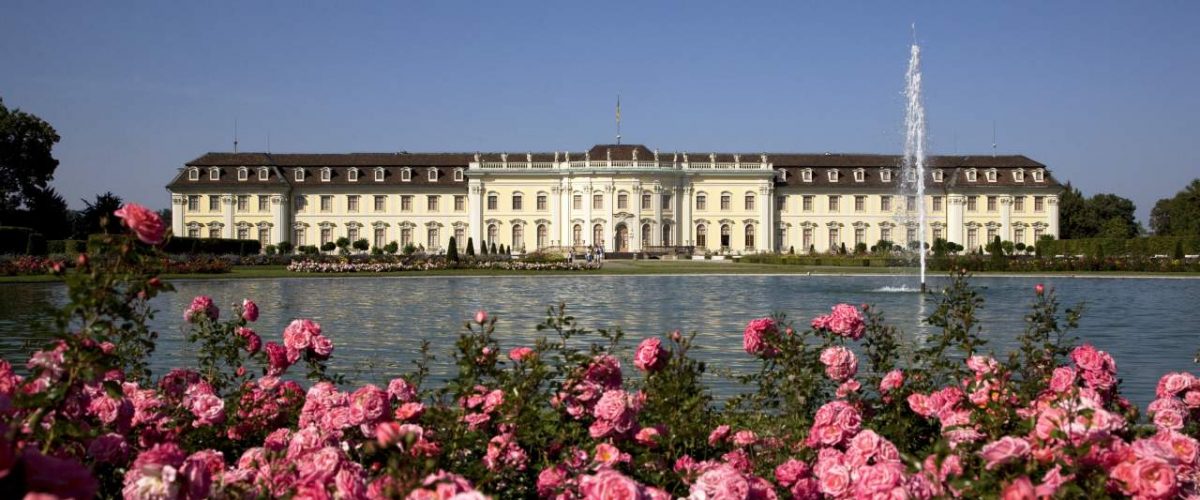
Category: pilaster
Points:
column 279, row 219
column 475, row 210
column 1006, row 233
column 178, row 205
column 954, row 212
column 227, row 210
column 1052, row 213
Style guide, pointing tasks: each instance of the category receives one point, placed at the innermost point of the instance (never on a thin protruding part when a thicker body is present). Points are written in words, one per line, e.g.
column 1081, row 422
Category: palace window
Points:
column 749, row 201
column 622, row 201
column 577, row 202
column 991, row 234
column 298, row 175
column 885, row 175
column 214, row 174
column 1019, row 175
column 885, row 203
column 938, row 175
column 937, row 233
column 298, row 236
column 193, row 174
column 243, row 174
column 193, row 231
column 910, row 236
column 406, row 175
column 193, row 203
column 431, row 203
column 725, row 235
column 597, row 201
column 781, row 203
column 725, row 201
column 406, row 203
column 1039, row 203
column 701, row 201
column 493, row 233
column 379, row 174
column 516, row 201
column 264, row 174
column 577, row 235
column 860, row 203
column 597, row 234
column 460, row 203
column 1019, row 203
column 243, row 202
column 214, row 232
column 645, row 234
column 991, row 203
column 860, row 236
column 937, row 203
column 326, row 203
column 352, row 233
column 243, row 232
column 264, row 203
column 834, row 203
column 972, row 238
column 405, row 237
column 380, row 237
column 972, row 175
column 807, row 203
column 885, row 233
column 646, row 201
column 806, row 175
column 380, row 203
column 859, row 175
column 542, row 236
column 666, row 234
column 433, row 238
column 666, row 201
column 433, row 175
column 352, row 175
column 460, row 234
column 991, row 175
column 910, row 203
column 1018, row 234
column 326, row 235
column 833, row 238
column 833, row 175
column 806, row 238
column 326, row 174
column 1038, row 175
column 493, row 202
column 541, row 202
column 352, row 203
column 458, row 175
column 301, row 203
column 701, row 236
column 214, row 203
column 972, row 204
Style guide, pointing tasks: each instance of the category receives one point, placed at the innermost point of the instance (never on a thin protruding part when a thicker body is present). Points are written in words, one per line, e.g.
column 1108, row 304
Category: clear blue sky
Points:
column 1106, row 94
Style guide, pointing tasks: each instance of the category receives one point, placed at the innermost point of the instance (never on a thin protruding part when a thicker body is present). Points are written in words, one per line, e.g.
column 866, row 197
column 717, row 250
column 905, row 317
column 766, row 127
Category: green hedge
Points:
column 1140, row 247
column 217, row 246
column 826, row 260
column 21, row 240
column 70, row 247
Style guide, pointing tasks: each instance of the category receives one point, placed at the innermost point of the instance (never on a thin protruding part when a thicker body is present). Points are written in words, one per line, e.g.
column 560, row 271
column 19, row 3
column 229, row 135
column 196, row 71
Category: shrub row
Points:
column 1140, row 247
column 212, row 246
column 21, row 240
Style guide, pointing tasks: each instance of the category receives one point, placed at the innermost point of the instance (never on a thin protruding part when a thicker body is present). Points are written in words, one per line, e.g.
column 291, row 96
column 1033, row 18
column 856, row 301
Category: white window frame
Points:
column 972, row 175
column 1019, row 175
column 860, row 175
column 458, row 175
column 406, row 175
column 352, row 175
column 326, row 174
column 991, row 175
column 299, row 175
column 1039, row 175
column 193, row 174
column 938, row 175
column 243, row 174
column 214, row 174
column 833, row 175
column 379, row 174
column 264, row 174
column 433, row 175
column 806, row 175
column 885, row 174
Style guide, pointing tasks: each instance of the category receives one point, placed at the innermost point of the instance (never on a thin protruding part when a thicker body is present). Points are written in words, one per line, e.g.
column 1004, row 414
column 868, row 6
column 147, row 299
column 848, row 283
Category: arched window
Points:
column 645, row 235
column 725, row 236
column 577, row 235
column 701, row 235
column 597, row 234
column 518, row 237
column 493, row 232
column 666, row 234
column 749, row 236
column 542, row 234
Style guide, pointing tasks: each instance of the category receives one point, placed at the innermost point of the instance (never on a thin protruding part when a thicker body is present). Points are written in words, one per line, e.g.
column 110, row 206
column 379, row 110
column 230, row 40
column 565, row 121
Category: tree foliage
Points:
column 26, row 162
column 1103, row 215
column 97, row 217
column 1178, row 215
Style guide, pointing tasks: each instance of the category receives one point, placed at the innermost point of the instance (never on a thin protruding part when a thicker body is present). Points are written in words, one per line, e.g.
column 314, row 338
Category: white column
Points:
column 609, row 244
column 474, row 210
column 1052, row 212
column 635, row 232
column 684, row 219
column 227, row 208
column 279, row 218
column 1006, row 233
column 178, row 205
column 656, row 231
column 587, row 215
column 566, row 211
column 766, row 225
column 954, row 211
column 556, row 223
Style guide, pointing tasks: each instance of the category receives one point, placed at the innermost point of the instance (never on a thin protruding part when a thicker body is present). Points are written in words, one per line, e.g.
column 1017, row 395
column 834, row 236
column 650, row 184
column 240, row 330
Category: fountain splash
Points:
column 914, row 146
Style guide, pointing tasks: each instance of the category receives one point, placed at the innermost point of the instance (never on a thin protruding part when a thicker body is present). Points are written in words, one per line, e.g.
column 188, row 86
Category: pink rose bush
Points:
column 145, row 223
column 576, row 417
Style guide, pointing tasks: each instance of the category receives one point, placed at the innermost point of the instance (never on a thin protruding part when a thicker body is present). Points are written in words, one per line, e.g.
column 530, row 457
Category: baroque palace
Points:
column 625, row 198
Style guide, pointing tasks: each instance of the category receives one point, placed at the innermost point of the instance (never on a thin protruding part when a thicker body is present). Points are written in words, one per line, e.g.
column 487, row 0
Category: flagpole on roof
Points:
column 618, row 118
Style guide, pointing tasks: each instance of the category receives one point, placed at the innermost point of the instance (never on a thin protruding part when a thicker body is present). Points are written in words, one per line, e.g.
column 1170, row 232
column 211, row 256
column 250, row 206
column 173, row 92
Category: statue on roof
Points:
column 634, row 154
column 655, row 155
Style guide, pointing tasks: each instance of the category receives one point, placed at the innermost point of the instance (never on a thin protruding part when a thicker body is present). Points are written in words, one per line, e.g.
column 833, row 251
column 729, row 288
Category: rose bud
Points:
column 1039, row 289
column 81, row 260
column 481, row 316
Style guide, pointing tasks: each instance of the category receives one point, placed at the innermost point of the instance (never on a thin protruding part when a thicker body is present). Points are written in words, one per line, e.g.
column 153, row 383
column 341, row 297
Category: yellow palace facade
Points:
column 625, row 198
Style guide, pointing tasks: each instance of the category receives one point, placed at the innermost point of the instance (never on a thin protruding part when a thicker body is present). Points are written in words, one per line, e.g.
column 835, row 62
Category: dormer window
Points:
column 783, row 175
column 352, row 175
column 806, row 175
column 860, row 175
column 458, row 175
column 264, row 173
column 405, row 175
column 972, row 175
column 326, row 174
column 214, row 174
column 299, row 175
column 1038, row 175
column 910, row 175
column 379, row 173
column 193, row 174
column 833, row 175
column 991, row 175
column 433, row 175
column 885, row 174
column 1019, row 175
column 243, row 173
column 938, row 175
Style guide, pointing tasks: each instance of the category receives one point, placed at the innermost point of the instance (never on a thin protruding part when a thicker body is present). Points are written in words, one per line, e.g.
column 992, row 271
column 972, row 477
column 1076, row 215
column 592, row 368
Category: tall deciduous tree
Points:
column 1178, row 215
column 1103, row 215
column 26, row 162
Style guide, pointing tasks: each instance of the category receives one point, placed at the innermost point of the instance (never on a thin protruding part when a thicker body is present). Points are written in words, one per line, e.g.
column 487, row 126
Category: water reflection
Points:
column 377, row 324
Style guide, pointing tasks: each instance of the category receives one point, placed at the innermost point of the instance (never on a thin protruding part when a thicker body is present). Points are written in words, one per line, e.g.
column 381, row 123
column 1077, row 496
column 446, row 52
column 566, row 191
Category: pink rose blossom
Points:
column 756, row 337
column 722, row 481
column 519, row 354
column 409, row 411
column 744, row 438
column 609, row 484
column 650, row 355
column 277, row 361
column 845, row 321
column 1020, row 489
column 400, row 390
column 791, row 471
column 299, row 334
column 718, row 435
column 1004, row 450
column 892, row 381
column 249, row 310
column 648, row 436
column 201, row 306
column 1062, row 379
column 840, row 363
column 481, row 316
column 322, row 347
column 847, row 388
column 145, row 223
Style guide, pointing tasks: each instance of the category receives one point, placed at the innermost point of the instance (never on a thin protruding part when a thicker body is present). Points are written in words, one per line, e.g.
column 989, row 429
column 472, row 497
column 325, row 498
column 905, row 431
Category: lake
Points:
column 377, row 324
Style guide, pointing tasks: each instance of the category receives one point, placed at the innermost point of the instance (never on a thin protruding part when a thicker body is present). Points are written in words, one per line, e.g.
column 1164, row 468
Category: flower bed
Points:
column 835, row 408
column 347, row 266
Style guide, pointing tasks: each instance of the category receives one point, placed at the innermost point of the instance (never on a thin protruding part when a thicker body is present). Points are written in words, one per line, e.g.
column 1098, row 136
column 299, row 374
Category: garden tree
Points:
column 343, row 245
column 1020, row 246
column 452, row 250
column 995, row 246
column 939, row 247
column 97, row 217
column 1075, row 218
column 409, row 249
column 791, row 250
column 470, row 246
column 1008, row 247
column 285, row 247
column 328, row 246
column 842, row 248
column 26, row 162
column 361, row 244
column 1114, row 216
column 1178, row 249
column 392, row 248
column 860, row 248
column 493, row 248
column 46, row 212
column 1178, row 215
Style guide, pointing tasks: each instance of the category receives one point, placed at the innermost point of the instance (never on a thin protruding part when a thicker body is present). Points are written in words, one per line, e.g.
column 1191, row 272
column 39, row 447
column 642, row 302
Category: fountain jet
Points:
column 914, row 145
